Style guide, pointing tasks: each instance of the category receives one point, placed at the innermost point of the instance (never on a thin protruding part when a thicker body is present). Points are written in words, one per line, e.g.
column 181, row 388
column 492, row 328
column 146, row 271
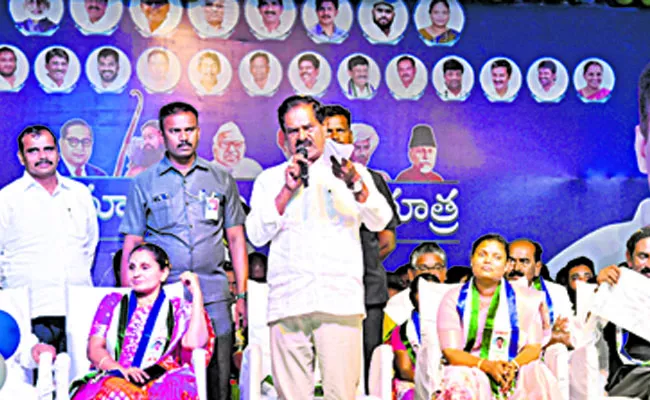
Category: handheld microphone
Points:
column 304, row 168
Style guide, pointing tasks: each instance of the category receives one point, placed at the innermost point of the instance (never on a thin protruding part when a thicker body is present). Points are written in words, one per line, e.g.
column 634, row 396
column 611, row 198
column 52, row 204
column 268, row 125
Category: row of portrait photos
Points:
column 108, row 69
column 438, row 22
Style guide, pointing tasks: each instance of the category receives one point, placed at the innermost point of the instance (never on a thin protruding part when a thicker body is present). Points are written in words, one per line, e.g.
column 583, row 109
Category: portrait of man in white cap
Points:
column 423, row 151
column 365, row 140
column 228, row 149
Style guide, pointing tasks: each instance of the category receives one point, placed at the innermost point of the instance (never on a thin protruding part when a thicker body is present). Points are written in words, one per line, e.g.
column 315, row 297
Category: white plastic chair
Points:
column 256, row 364
column 586, row 381
column 428, row 371
column 15, row 301
column 82, row 304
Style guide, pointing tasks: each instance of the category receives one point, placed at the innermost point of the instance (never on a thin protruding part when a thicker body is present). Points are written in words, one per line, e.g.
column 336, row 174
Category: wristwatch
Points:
column 241, row 296
column 357, row 186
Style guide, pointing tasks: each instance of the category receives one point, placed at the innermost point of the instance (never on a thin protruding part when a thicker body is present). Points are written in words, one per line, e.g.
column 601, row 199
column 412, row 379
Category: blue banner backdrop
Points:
column 550, row 171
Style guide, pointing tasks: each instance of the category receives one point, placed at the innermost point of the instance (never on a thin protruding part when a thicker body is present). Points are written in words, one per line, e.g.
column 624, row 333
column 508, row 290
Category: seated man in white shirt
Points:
column 311, row 208
column 48, row 234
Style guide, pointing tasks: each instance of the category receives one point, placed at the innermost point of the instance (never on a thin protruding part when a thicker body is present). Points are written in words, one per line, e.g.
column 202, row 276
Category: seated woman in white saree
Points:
column 490, row 334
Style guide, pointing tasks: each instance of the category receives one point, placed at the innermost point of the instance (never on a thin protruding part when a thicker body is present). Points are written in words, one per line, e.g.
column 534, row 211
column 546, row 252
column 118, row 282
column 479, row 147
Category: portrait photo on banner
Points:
column 594, row 80
column 210, row 72
column 406, row 77
column 359, row 76
column 310, row 73
column 261, row 73
column 547, row 80
column 14, row 68
column 214, row 18
column 36, row 17
column 96, row 17
column 327, row 21
column 229, row 152
column 383, row 21
column 439, row 22
column 270, row 19
column 156, row 18
column 57, row 69
column 422, row 155
column 108, row 69
column 159, row 70
column 500, row 79
column 453, row 78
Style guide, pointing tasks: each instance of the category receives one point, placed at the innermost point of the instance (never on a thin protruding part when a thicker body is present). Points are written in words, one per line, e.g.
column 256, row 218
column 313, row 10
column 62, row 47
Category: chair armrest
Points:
column 250, row 374
column 381, row 372
column 45, row 385
column 585, row 378
column 556, row 358
column 199, row 363
column 62, row 376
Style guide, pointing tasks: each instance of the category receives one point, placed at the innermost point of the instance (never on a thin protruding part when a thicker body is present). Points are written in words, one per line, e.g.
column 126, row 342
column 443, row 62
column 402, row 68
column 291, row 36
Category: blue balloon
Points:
column 10, row 334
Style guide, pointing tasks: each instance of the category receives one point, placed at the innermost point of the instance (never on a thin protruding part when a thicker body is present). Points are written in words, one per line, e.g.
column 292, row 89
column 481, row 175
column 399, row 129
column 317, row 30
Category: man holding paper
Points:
column 311, row 208
column 629, row 354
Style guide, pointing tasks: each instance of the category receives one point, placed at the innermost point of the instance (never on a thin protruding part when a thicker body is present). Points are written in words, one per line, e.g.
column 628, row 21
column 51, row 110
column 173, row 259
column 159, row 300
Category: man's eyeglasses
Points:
column 578, row 276
column 74, row 142
column 437, row 268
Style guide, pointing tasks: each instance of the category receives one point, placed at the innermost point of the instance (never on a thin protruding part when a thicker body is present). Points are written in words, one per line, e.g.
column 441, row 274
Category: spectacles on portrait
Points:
column 74, row 142
column 155, row 3
column 234, row 145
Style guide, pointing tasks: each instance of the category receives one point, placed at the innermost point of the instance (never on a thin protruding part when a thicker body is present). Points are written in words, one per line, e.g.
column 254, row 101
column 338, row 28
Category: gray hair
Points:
column 428, row 247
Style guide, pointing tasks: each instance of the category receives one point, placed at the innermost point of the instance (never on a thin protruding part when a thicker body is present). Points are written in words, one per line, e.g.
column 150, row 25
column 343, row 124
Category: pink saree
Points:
column 534, row 380
column 178, row 382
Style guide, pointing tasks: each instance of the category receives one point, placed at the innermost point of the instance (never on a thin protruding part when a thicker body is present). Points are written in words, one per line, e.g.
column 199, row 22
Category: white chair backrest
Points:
column 258, row 329
column 82, row 303
column 399, row 307
column 427, row 370
column 585, row 293
column 15, row 301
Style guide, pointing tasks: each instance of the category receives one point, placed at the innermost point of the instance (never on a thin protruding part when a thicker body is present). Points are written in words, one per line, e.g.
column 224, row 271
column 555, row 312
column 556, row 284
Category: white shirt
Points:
column 450, row 96
column 315, row 258
column 5, row 86
column 604, row 246
column 46, row 241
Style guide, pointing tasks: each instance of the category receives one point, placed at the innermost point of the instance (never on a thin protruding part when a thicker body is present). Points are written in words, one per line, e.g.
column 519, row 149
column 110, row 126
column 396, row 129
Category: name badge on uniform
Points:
column 212, row 204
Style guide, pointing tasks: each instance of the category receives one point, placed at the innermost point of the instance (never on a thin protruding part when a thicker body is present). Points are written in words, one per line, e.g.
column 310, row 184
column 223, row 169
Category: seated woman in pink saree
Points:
column 490, row 334
column 140, row 344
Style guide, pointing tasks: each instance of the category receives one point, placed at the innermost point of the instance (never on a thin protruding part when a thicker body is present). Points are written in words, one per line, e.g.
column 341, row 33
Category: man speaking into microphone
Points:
column 315, row 270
